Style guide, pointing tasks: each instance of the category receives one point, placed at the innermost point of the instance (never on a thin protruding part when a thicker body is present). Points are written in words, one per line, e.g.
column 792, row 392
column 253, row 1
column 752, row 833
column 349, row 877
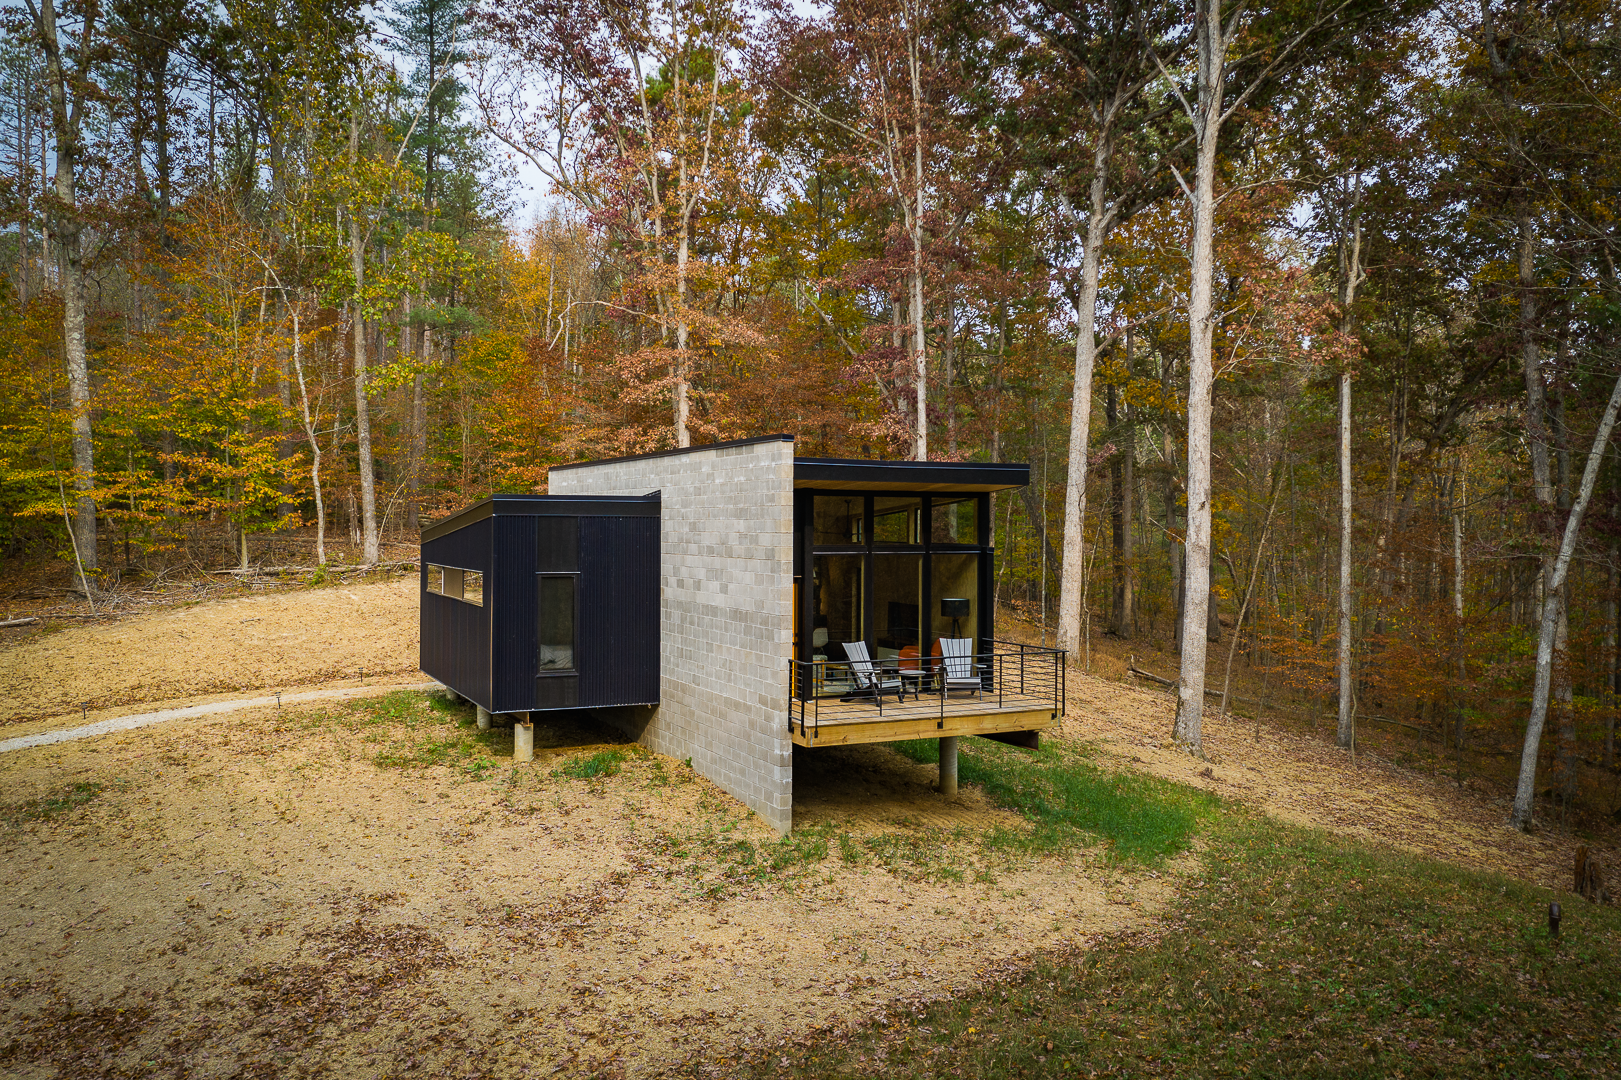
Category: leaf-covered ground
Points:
column 372, row 888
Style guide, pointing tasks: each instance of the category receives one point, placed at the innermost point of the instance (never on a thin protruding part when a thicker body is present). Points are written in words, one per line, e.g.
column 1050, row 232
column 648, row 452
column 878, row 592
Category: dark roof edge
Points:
column 1009, row 465
column 678, row 450
column 897, row 475
column 514, row 505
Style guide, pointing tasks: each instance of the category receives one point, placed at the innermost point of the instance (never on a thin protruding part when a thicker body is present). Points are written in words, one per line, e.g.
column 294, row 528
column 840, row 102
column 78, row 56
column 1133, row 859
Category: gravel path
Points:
column 139, row 720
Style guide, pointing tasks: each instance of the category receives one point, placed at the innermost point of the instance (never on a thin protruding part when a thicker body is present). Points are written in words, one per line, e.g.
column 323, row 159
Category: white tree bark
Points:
column 1071, row 583
column 66, row 92
column 357, row 260
column 315, row 443
column 1212, row 49
column 1552, row 610
column 1350, row 278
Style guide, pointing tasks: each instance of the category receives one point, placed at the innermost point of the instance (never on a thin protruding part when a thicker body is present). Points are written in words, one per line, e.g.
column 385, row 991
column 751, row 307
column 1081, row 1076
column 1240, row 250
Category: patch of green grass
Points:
column 601, row 763
column 720, row 860
column 1072, row 803
column 418, row 731
column 1296, row 955
column 46, row 807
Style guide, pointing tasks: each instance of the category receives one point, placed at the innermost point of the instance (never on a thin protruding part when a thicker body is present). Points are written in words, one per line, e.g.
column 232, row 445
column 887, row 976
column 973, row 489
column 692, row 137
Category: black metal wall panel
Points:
column 510, row 590
column 455, row 635
column 467, row 548
column 557, row 692
column 557, row 545
column 455, row 645
column 619, row 611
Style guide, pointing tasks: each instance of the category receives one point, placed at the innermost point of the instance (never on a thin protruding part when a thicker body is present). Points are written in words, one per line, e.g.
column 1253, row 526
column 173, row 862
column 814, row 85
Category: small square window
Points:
column 436, row 579
column 473, row 587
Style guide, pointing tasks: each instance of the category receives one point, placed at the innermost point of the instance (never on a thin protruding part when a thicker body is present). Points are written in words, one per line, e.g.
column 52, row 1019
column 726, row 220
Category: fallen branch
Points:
column 331, row 568
column 18, row 622
column 1131, row 666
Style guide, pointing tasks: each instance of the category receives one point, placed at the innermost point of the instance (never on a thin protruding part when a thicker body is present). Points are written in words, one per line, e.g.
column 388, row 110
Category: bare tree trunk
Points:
column 1552, row 609
column 920, row 363
column 682, row 436
column 66, row 92
column 1098, row 221
column 315, row 442
column 1119, row 525
column 1350, row 277
column 1212, row 48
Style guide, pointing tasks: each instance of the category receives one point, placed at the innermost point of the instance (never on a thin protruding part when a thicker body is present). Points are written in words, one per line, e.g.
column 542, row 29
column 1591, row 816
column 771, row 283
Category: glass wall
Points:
column 839, row 604
column 839, row 519
column 954, row 521
column 882, row 568
column 897, row 593
column 956, row 577
column 897, row 522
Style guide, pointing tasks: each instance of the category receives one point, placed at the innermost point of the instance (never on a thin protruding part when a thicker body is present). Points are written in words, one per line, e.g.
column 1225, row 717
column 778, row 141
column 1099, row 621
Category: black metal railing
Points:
column 1010, row 676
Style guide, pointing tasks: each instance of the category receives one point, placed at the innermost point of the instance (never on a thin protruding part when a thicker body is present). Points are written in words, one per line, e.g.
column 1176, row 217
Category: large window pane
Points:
column 556, row 625
column 838, row 519
column 897, row 521
column 839, row 603
column 897, row 592
column 954, row 522
column 956, row 577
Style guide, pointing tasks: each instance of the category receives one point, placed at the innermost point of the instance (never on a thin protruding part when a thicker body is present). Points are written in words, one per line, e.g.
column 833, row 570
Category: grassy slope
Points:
column 1295, row 954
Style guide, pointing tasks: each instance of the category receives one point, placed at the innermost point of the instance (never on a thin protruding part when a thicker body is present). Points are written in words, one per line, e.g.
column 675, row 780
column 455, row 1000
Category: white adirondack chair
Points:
column 957, row 657
column 868, row 677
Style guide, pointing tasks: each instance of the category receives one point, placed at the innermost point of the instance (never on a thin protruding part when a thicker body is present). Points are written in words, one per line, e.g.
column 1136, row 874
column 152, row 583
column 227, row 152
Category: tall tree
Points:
column 1086, row 67
column 70, row 90
column 1277, row 39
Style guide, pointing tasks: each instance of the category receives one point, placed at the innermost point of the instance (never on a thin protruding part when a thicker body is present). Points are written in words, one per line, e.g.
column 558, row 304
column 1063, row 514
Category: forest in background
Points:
column 282, row 278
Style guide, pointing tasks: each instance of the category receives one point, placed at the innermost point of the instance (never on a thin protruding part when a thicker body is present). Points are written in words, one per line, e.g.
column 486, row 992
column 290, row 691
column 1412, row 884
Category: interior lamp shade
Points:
column 954, row 608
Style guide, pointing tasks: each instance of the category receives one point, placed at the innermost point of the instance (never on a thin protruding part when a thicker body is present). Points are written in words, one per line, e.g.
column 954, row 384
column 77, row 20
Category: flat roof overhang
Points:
column 546, row 506
column 843, row 474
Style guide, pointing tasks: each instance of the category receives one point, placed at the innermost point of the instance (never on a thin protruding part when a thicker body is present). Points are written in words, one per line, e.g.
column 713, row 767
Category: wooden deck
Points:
column 830, row 721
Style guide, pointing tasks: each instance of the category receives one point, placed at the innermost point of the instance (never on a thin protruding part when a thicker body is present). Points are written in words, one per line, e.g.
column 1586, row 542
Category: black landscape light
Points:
column 1553, row 919
column 956, row 609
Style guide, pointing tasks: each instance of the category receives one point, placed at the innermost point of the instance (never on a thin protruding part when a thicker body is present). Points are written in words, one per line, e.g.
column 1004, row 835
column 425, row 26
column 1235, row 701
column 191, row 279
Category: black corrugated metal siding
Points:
column 511, row 589
column 467, row 548
column 619, row 611
column 455, row 635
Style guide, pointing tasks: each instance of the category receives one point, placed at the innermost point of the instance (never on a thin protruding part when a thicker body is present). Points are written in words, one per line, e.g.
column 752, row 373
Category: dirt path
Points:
column 296, row 639
column 162, row 716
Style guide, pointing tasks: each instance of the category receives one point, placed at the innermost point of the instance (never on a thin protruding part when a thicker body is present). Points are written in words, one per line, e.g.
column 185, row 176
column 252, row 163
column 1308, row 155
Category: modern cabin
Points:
column 537, row 602
column 755, row 602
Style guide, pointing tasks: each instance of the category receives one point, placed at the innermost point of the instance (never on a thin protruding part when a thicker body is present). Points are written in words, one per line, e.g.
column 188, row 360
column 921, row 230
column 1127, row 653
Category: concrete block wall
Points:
column 726, row 622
